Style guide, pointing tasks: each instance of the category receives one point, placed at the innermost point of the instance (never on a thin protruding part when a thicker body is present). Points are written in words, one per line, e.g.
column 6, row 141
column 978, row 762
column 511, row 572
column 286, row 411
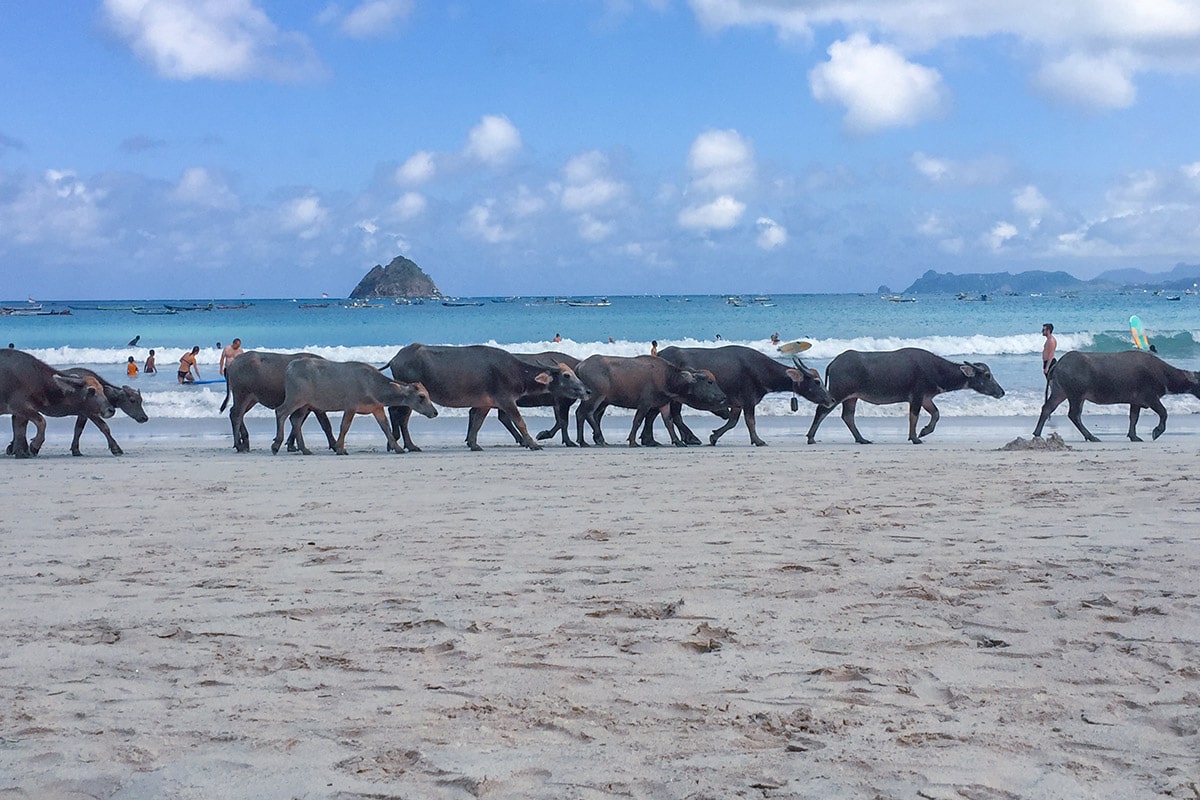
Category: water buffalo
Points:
column 560, row 394
column 645, row 383
column 908, row 375
column 1134, row 377
column 350, row 387
column 123, row 398
column 29, row 387
column 255, row 377
column 477, row 377
column 746, row 376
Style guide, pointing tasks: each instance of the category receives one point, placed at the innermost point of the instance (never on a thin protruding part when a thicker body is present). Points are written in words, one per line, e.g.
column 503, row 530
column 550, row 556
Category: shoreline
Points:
column 847, row 621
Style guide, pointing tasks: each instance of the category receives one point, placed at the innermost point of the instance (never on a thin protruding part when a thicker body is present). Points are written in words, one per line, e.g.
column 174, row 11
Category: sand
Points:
column 944, row 621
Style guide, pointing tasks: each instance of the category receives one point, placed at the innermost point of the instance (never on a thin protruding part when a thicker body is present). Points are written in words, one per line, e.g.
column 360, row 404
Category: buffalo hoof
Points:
column 8, row 451
column 569, row 443
column 917, row 441
column 1154, row 434
column 274, row 448
column 632, row 443
column 77, row 452
column 543, row 435
column 23, row 455
column 680, row 443
column 692, row 439
column 33, row 451
column 863, row 441
column 582, row 443
column 339, row 452
column 655, row 443
column 1138, row 439
column 475, row 448
column 116, row 451
column 1091, row 439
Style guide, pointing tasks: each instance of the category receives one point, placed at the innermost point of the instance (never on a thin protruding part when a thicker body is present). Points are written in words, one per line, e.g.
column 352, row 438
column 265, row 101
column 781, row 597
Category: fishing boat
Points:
column 237, row 307
column 11, row 309
column 460, row 303
column 191, row 307
column 314, row 305
column 601, row 303
column 148, row 311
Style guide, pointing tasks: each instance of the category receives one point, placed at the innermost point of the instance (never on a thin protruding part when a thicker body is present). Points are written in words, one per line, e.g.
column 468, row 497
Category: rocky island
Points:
column 401, row 278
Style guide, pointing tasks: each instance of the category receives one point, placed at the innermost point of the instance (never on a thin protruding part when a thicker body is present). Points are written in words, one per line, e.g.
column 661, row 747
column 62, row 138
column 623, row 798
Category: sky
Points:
column 269, row 148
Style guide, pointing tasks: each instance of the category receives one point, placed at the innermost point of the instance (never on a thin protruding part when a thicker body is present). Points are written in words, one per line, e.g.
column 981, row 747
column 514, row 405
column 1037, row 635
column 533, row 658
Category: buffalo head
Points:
column 89, row 392
column 704, row 393
column 979, row 378
column 806, row 382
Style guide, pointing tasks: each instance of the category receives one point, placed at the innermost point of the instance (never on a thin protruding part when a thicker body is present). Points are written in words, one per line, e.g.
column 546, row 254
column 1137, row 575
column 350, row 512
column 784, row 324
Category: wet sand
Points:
column 945, row 621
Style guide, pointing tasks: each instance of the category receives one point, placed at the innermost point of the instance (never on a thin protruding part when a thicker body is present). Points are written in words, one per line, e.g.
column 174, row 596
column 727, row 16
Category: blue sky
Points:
column 178, row 148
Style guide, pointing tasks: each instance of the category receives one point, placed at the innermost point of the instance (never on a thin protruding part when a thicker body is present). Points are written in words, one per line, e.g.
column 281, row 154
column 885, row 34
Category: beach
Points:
column 942, row 621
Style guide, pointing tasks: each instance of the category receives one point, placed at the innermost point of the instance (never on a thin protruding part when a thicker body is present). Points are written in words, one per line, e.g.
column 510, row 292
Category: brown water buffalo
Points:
column 644, row 383
column 746, row 376
column 476, row 377
column 1135, row 377
column 561, row 394
column 28, row 387
column 256, row 377
column 908, row 375
column 351, row 387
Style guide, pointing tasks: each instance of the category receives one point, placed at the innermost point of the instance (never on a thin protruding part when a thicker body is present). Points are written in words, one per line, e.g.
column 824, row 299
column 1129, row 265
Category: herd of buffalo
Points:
column 728, row 381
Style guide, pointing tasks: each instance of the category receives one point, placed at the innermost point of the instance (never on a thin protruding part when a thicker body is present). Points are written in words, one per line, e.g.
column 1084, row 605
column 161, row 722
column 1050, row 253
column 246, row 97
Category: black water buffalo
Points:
column 256, row 377
column 560, row 394
column 476, row 377
column 645, row 383
column 28, row 387
column 746, row 376
column 1134, row 377
column 123, row 398
column 908, row 375
column 350, row 387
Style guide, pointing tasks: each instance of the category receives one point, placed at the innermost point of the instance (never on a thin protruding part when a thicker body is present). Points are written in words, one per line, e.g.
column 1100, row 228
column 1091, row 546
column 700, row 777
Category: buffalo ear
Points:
column 70, row 382
column 967, row 370
column 544, row 378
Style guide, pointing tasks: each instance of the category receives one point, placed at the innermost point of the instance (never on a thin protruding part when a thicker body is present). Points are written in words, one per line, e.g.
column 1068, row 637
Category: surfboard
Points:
column 212, row 380
column 791, row 348
column 1139, row 336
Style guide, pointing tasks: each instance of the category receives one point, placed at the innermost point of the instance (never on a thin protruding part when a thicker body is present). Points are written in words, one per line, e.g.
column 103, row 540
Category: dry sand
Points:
column 946, row 621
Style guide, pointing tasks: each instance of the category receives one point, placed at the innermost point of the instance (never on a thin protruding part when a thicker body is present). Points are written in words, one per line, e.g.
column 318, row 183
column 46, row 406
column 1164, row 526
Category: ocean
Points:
column 1003, row 331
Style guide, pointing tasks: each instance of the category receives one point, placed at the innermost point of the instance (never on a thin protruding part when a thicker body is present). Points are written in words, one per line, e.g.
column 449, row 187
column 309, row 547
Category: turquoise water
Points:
column 1004, row 332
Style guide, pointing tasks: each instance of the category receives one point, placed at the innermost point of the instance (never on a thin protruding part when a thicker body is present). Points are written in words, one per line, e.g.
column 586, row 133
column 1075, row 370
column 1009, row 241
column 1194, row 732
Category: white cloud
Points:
column 1192, row 172
column 1096, row 84
column 59, row 211
column 594, row 230
column 481, row 224
column 1092, row 51
column 199, row 187
column 224, row 39
column 935, row 169
column 721, row 214
column 1000, row 233
column 375, row 18
column 588, row 185
column 877, row 86
column 304, row 215
column 493, row 141
column 721, row 161
column 770, row 234
column 409, row 205
column 526, row 203
column 983, row 171
column 1029, row 201
column 419, row 168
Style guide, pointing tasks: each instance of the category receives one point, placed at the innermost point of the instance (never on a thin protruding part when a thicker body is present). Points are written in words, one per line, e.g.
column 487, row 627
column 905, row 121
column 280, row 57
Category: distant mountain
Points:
column 1181, row 277
column 994, row 282
column 401, row 278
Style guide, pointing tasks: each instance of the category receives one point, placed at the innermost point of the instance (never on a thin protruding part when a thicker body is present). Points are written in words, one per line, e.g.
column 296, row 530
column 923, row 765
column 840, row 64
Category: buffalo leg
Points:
column 587, row 413
column 647, row 436
column 400, row 416
column 1157, row 407
column 382, row 419
column 685, row 432
column 323, row 421
column 515, row 414
column 1054, row 399
column 1134, row 412
column 1075, row 414
column 20, row 441
column 507, row 422
column 282, row 413
column 562, row 420
column 237, row 413
column 818, row 417
column 82, row 421
column 934, row 416
column 848, row 406
column 475, row 418
column 735, row 414
column 347, row 419
column 638, row 418
column 751, row 425
column 39, row 438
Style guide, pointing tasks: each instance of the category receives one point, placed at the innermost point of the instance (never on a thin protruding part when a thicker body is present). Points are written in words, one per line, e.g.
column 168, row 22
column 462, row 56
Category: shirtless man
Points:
column 1048, row 358
column 229, row 354
column 187, row 365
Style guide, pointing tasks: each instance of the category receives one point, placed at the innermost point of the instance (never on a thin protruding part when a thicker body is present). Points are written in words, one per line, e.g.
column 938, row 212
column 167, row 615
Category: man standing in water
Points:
column 229, row 354
column 1048, row 358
